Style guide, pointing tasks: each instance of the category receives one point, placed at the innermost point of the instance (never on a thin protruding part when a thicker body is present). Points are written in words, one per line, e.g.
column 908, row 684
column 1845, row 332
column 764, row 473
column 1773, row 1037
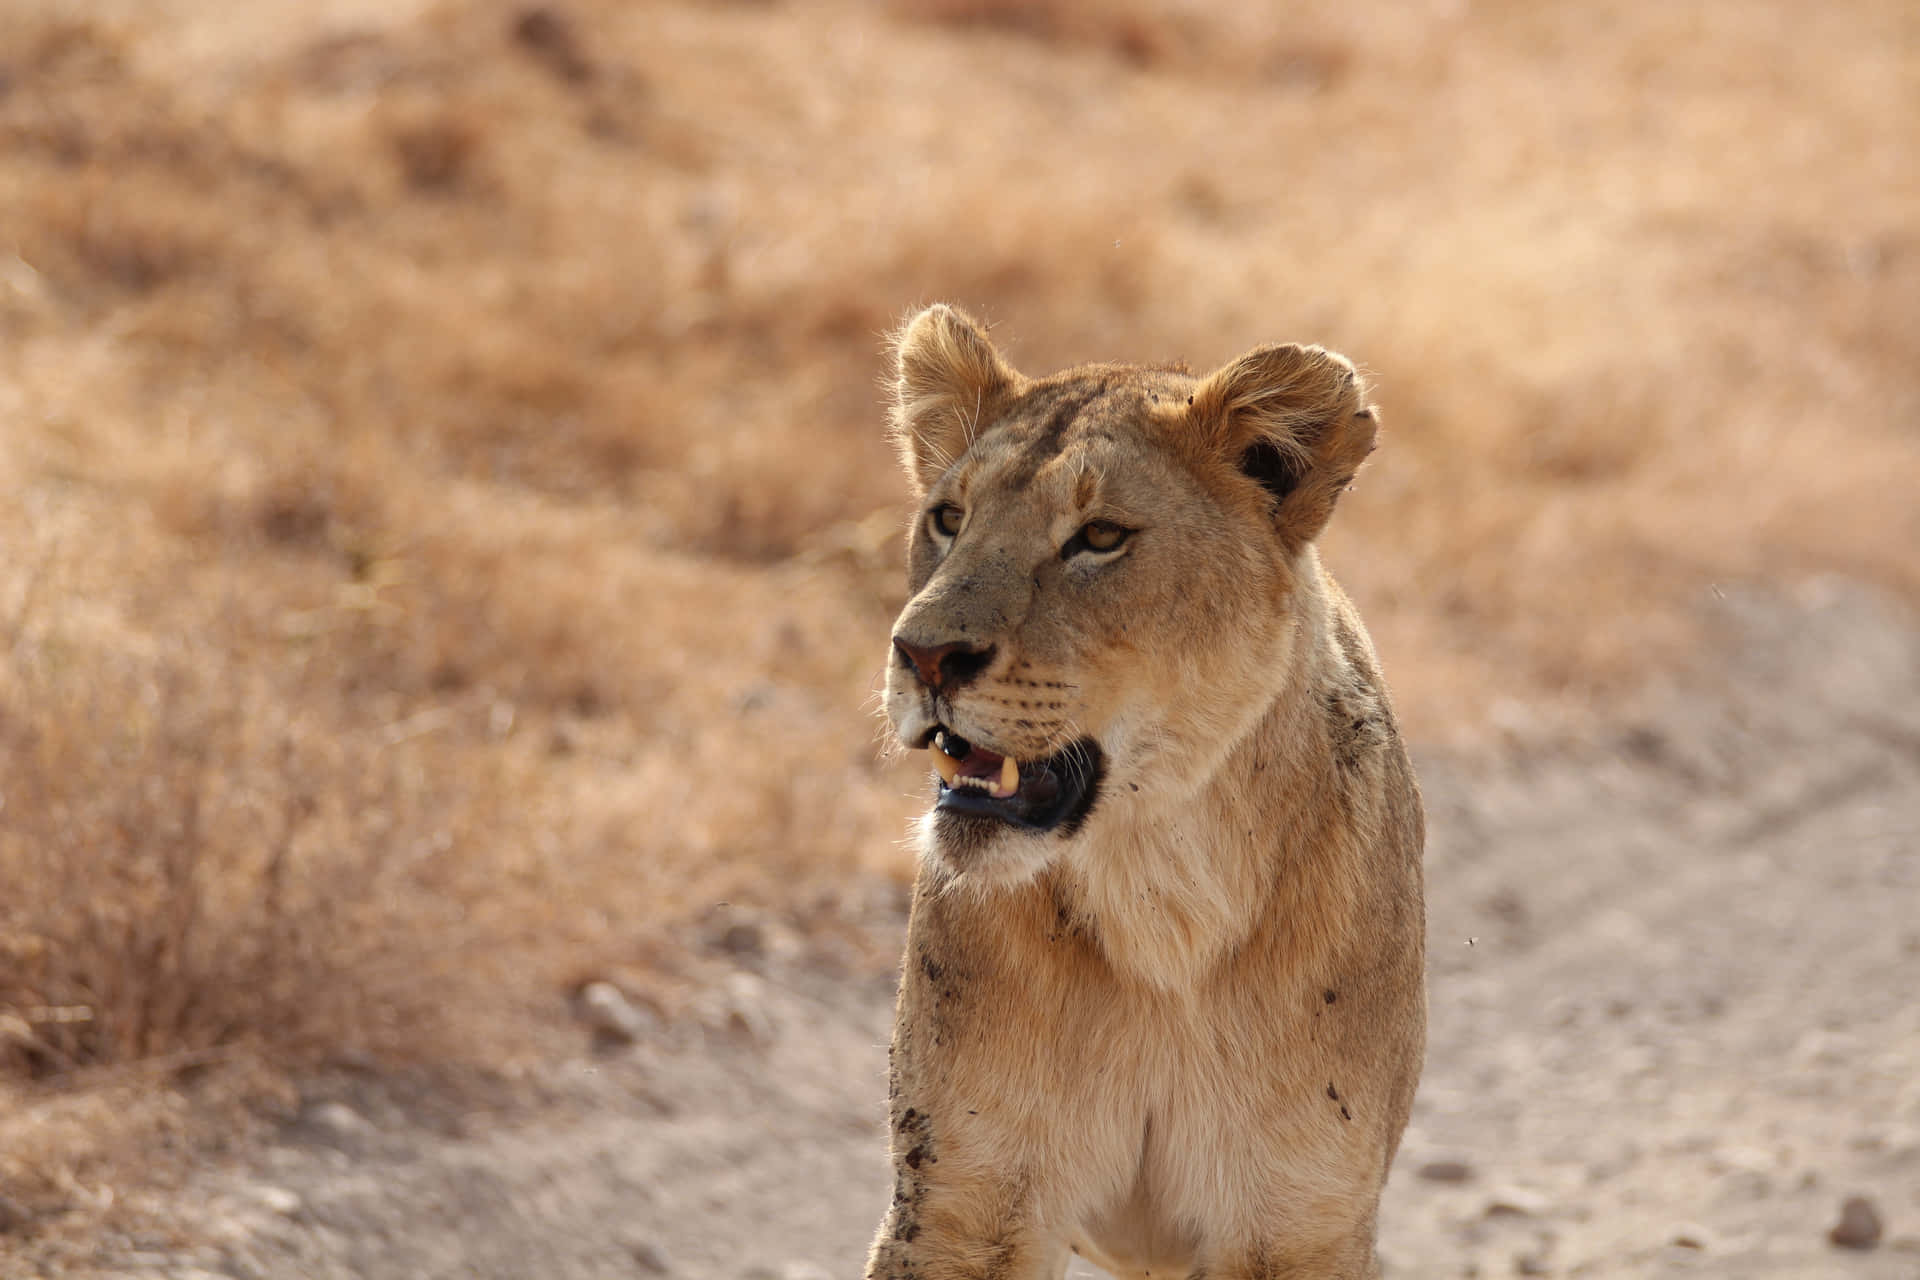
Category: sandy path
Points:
column 1686, row 1027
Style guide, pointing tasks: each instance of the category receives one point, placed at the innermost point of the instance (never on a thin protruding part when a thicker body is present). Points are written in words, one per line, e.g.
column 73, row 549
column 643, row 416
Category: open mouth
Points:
column 1041, row 795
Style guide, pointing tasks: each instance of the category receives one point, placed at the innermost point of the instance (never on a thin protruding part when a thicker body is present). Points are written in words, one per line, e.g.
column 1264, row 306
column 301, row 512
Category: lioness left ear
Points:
column 1295, row 419
column 949, row 383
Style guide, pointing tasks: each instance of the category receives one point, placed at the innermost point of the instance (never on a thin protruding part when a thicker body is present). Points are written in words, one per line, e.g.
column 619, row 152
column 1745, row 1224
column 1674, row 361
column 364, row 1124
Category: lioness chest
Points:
column 1148, row 1108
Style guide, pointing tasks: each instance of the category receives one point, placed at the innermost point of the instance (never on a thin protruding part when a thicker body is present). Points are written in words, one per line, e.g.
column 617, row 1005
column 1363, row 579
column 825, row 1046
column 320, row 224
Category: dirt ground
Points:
column 1674, row 1027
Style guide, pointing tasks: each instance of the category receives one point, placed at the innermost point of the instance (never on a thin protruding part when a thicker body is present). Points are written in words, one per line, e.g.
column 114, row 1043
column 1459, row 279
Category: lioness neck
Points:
column 1174, row 888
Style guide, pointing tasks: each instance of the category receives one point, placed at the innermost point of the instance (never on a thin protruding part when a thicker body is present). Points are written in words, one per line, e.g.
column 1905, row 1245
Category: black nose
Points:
column 945, row 667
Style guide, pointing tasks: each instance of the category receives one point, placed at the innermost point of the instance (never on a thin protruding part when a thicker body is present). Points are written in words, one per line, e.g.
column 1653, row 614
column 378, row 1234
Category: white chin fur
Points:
column 1013, row 860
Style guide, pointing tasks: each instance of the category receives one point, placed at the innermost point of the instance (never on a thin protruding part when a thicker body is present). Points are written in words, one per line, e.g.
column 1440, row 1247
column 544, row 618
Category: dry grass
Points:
column 447, row 531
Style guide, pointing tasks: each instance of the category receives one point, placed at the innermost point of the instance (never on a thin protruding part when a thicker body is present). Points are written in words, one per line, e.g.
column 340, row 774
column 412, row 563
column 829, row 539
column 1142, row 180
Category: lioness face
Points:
column 1100, row 574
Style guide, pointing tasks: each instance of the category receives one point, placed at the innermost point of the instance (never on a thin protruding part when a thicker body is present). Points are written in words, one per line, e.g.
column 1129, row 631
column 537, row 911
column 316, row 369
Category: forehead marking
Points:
column 1065, row 407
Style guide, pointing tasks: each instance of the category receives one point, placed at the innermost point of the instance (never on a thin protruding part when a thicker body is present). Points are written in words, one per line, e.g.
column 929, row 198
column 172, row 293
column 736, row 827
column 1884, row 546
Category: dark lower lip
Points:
column 1075, row 773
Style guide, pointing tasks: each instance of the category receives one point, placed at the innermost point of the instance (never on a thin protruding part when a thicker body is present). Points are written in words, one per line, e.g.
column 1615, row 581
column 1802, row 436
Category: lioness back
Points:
column 1163, row 998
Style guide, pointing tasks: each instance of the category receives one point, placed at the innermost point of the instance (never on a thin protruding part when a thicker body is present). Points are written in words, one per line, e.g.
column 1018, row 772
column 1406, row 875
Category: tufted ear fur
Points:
column 1295, row 419
column 949, row 381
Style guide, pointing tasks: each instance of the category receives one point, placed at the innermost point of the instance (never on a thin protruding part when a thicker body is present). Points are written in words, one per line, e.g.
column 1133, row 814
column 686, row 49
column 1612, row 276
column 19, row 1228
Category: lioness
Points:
column 1163, row 1000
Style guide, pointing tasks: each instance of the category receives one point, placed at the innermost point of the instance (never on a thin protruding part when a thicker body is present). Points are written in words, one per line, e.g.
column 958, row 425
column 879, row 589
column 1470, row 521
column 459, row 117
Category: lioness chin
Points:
column 1163, row 999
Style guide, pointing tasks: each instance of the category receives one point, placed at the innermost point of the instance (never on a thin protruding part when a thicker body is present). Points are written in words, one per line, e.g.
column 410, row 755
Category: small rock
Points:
column 1517, row 1202
column 742, row 938
column 278, row 1199
column 1691, row 1236
column 649, row 1257
column 353, row 1058
column 612, row 1017
column 1446, row 1171
column 337, row 1119
column 1859, row 1226
column 740, row 1010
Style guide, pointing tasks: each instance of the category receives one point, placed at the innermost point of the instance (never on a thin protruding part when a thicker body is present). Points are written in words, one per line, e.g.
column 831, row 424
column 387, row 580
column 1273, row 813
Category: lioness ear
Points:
column 948, row 381
column 1295, row 419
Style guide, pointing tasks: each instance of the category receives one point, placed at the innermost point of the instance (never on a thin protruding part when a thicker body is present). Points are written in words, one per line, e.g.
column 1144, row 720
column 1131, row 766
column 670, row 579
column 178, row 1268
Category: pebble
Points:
column 338, row 1119
column 740, row 1009
column 1517, row 1202
column 1859, row 1226
column 649, row 1257
column 611, row 1016
column 1693, row 1237
column 278, row 1199
column 743, row 938
column 1446, row 1171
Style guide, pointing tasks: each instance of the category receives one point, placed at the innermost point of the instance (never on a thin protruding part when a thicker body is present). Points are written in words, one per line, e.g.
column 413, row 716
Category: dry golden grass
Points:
column 448, row 535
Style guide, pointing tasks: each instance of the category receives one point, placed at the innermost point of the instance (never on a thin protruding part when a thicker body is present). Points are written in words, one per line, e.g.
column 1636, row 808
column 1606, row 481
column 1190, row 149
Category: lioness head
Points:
column 1103, row 575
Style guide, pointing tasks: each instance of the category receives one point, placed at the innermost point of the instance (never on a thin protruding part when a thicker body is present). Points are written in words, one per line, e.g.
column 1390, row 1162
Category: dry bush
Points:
column 183, row 871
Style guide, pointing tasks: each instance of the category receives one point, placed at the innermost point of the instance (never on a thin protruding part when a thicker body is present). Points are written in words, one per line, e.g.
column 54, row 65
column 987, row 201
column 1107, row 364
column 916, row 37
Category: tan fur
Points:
column 1182, row 1037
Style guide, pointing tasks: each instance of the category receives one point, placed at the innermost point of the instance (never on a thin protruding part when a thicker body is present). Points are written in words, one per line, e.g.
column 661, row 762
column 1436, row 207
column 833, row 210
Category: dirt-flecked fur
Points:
column 1181, row 1034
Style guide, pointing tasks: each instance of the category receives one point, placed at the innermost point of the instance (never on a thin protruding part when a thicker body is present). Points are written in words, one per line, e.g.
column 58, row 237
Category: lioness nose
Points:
column 945, row 666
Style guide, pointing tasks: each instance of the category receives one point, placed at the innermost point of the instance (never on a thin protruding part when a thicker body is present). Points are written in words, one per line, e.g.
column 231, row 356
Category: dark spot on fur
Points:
column 1344, row 1113
column 1355, row 723
column 1133, row 786
column 930, row 967
column 1329, row 996
column 1332, row 1092
column 916, row 1157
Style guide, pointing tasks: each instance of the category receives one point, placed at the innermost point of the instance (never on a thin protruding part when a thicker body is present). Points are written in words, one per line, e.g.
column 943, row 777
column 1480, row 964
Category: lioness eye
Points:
column 1103, row 535
column 944, row 520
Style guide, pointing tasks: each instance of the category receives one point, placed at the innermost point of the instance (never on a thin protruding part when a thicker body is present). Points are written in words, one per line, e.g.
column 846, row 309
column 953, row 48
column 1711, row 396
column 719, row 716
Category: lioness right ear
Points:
column 948, row 381
column 1296, row 420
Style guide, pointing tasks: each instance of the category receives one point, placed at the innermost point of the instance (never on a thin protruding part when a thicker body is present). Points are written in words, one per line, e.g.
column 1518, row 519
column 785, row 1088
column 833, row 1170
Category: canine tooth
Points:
column 945, row 765
column 1009, row 778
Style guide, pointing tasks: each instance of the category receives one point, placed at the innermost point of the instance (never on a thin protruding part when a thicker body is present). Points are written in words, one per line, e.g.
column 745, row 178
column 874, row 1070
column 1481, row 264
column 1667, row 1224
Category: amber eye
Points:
column 1102, row 535
column 944, row 520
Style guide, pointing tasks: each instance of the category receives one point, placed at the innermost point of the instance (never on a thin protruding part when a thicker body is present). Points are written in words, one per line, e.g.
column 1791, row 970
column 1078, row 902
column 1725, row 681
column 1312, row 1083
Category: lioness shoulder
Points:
column 1163, row 1000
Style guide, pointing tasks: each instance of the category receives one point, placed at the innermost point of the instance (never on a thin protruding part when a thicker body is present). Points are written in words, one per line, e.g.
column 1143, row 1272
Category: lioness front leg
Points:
column 948, row 1226
column 1350, row 1259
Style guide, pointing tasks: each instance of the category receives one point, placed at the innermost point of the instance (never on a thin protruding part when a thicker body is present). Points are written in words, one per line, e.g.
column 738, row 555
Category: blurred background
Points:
column 447, row 538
